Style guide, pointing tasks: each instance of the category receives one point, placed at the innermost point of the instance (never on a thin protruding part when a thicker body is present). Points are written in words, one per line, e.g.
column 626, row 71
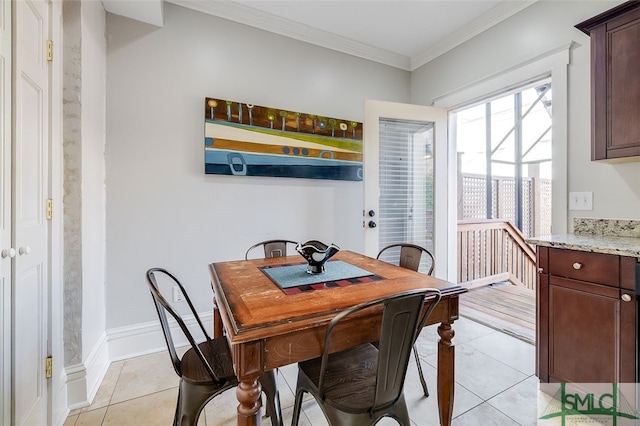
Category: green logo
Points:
column 603, row 404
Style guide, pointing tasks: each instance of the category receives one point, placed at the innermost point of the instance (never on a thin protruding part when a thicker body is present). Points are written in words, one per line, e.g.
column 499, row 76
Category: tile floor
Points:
column 495, row 385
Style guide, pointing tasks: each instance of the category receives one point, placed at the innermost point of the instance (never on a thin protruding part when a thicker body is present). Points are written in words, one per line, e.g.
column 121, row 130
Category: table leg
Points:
column 446, row 373
column 217, row 321
column 248, row 395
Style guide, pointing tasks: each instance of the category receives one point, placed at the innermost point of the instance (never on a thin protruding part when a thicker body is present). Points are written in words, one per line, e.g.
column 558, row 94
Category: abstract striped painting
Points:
column 250, row 140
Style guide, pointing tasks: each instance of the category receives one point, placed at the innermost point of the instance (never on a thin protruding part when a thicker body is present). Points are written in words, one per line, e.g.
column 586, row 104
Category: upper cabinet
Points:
column 615, row 82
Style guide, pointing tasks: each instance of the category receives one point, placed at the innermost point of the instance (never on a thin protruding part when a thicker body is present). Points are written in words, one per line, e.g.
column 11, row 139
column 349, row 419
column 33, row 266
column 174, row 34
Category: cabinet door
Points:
column 584, row 332
column 616, row 84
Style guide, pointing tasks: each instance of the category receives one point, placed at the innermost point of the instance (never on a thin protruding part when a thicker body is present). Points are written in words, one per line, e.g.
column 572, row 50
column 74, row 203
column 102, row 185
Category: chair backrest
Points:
column 410, row 255
column 403, row 317
column 163, row 307
column 272, row 248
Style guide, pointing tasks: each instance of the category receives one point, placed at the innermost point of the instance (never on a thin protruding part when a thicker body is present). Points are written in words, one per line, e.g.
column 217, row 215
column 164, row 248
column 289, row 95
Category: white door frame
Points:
column 551, row 63
column 444, row 204
column 6, row 261
column 58, row 383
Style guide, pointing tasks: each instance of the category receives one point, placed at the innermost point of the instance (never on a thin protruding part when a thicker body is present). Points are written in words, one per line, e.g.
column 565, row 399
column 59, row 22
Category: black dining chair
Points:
column 206, row 368
column 272, row 248
column 410, row 256
column 361, row 385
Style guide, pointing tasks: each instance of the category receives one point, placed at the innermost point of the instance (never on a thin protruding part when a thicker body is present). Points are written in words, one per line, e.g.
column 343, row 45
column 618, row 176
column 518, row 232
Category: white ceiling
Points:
column 400, row 33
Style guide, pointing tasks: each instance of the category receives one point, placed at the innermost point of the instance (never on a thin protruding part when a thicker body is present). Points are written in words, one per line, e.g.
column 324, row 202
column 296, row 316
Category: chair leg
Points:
column 401, row 411
column 191, row 401
column 297, row 407
column 270, row 387
column 420, row 373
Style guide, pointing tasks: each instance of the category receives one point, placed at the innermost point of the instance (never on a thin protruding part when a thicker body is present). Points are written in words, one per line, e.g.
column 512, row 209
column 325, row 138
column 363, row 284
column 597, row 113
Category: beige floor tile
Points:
column 143, row 376
column 465, row 330
column 481, row 374
column 513, row 352
column 75, row 412
column 143, row 390
column 312, row 413
column 221, row 410
column 71, row 420
column 519, row 402
column 287, row 415
column 423, row 409
column 91, row 418
column 108, row 385
column 156, row 409
column 483, row 415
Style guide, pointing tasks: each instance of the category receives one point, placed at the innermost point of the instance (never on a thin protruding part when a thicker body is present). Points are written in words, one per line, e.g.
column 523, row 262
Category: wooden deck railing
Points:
column 491, row 251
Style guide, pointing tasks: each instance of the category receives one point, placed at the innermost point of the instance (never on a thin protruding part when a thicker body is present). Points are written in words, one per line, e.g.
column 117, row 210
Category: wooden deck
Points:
column 502, row 306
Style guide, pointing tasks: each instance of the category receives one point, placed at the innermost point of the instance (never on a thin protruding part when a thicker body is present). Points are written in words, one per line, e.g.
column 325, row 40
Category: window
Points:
column 504, row 156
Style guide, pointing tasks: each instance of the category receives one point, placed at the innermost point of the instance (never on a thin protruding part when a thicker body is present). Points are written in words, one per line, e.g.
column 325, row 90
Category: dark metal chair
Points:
column 409, row 257
column 206, row 368
column 361, row 385
column 272, row 248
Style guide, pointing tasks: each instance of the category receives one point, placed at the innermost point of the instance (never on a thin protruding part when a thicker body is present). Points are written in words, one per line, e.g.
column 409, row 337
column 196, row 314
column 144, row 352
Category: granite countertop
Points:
column 609, row 236
column 623, row 246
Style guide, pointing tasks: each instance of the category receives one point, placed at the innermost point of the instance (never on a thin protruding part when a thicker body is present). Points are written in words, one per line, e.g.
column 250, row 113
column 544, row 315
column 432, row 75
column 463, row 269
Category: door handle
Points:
column 24, row 250
column 10, row 253
column 372, row 224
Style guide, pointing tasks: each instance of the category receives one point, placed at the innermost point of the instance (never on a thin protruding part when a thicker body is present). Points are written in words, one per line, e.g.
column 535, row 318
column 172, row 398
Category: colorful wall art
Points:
column 250, row 140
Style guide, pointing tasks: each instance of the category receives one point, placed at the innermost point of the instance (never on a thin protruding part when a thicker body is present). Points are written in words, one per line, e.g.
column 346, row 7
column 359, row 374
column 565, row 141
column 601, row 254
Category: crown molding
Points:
column 493, row 17
column 255, row 18
column 242, row 14
column 148, row 11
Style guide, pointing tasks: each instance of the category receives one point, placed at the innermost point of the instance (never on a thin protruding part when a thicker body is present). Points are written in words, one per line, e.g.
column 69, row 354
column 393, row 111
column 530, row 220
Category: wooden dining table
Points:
column 268, row 327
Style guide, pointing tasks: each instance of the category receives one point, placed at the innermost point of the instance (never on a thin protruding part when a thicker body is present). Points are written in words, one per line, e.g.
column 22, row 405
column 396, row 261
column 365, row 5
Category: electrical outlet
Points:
column 581, row 201
column 177, row 294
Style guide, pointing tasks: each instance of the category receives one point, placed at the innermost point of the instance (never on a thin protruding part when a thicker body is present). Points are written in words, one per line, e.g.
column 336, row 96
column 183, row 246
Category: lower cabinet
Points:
column 586, row 317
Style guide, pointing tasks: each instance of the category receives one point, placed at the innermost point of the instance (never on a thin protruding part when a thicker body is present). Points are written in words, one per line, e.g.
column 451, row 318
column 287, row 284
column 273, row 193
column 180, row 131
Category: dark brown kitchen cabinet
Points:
column 615, row 82
column 586, row 317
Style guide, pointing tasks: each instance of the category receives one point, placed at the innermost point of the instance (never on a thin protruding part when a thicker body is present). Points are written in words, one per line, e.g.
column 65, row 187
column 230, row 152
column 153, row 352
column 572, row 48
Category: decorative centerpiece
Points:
column 316, row 254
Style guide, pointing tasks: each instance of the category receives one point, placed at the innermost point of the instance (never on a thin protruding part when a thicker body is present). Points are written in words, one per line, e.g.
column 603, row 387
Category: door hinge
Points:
column 49, row 209
column 48, row 371
column 49, row 50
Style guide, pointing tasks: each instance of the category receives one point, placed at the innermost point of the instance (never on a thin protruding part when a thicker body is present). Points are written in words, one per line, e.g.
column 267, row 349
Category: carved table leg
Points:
column 248, row 395
column 446, row 373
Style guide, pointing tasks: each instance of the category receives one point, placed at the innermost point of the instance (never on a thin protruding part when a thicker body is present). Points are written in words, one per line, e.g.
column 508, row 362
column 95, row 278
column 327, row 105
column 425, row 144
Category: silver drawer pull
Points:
column 577, row 265
column 626, row 298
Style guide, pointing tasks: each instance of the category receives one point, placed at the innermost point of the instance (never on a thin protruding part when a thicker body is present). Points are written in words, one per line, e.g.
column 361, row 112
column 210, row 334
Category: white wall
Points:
column 540, row 28
column 162, row 210
column 93, row 173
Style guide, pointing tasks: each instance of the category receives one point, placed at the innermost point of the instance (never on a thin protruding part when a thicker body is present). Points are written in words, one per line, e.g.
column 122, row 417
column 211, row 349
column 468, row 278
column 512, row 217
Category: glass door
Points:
column 405, row 179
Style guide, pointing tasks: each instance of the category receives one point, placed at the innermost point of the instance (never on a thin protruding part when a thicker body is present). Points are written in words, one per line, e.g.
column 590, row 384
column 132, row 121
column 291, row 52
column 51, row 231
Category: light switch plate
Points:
column 581, row 201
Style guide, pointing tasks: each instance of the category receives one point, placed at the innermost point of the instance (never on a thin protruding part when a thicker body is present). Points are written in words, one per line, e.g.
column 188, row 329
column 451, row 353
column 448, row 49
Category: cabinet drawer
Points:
column 584, row 266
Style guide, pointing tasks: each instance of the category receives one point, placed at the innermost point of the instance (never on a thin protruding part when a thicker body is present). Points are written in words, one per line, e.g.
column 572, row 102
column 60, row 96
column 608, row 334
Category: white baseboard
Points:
column 145, row 338
column 83, row 380
column 60, row 408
